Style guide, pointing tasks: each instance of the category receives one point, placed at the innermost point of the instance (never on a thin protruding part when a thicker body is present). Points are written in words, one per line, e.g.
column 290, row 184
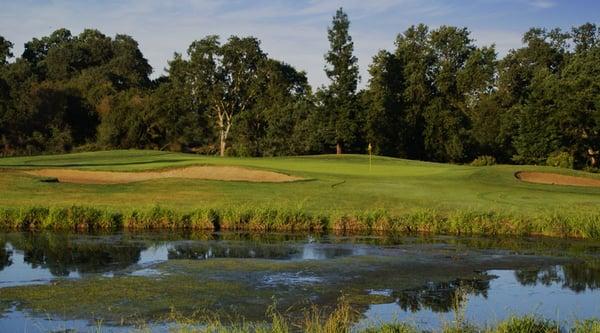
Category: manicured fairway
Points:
column 340, row 184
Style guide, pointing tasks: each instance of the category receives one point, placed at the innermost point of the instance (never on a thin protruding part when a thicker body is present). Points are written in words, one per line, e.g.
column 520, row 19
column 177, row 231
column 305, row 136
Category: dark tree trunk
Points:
column 338, row 148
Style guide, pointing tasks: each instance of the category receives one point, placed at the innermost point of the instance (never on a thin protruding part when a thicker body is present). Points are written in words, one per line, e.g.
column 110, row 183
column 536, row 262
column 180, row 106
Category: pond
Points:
column 54, row 281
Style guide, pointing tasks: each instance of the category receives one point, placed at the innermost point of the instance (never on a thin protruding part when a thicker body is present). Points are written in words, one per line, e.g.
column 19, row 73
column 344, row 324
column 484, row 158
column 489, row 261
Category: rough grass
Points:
column 340, row 193
column 84, row 218
column 342, row 320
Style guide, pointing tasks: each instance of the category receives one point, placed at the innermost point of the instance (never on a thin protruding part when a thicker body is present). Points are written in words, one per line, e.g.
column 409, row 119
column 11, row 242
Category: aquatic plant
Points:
column 587, row 326
column 527, row 324
column 452, row 222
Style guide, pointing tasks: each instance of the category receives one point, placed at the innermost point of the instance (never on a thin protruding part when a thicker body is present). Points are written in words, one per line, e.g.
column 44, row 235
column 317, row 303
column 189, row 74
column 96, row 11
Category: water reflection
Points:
column 230, row 250
column 577, row 277
column 443, row 296
column 312, row 251
column 5, row 256
column 499, row 298
column 63, row 254
column 27, row 258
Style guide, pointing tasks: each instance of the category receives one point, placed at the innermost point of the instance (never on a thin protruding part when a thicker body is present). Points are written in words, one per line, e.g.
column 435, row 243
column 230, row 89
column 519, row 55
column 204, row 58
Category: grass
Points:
column 343, row 318
column 466, row 222
column 340, row 193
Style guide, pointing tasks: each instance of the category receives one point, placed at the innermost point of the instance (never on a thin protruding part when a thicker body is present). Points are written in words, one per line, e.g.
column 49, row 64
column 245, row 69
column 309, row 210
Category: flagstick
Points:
column 370, row 157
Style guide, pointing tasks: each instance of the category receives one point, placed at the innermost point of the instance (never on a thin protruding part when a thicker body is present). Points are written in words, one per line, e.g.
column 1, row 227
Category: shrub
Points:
column 561, row 160
column 235, row 218
column 527, row 324
column 33, row 218
column 484, row 160
column 204, row 219
column 391, row 328
column 9, row 218
column 587, row 326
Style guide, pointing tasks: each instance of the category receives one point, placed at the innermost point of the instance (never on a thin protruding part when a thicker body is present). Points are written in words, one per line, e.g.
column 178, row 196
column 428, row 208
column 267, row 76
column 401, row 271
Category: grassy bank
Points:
column 336, row 324
column 340, row 193
column 343, row 319
column 84, row 218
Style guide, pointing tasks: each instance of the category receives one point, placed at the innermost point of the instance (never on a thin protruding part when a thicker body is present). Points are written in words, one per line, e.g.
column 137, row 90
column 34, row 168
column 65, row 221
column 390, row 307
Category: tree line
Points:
column 437, row 96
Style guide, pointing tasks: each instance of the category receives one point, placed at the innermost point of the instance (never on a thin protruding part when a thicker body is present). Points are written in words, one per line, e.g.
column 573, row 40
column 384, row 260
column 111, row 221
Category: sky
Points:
column 294, row 31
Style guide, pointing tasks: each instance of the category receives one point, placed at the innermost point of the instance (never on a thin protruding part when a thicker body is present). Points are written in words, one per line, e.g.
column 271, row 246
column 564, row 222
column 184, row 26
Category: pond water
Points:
column 53, row 281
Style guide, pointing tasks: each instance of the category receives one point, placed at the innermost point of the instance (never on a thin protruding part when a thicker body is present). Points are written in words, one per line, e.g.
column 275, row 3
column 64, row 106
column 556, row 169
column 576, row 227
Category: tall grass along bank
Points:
column 454, row 222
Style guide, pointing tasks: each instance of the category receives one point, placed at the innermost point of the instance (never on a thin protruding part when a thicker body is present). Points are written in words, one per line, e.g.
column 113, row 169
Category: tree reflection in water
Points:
column 577, row 277
column 5, row 256
column 62, row 254
column 442, row 297
column 231, row 250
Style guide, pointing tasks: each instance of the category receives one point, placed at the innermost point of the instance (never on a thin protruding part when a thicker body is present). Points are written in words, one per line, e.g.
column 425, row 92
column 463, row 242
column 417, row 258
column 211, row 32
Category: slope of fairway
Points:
column 333, row 184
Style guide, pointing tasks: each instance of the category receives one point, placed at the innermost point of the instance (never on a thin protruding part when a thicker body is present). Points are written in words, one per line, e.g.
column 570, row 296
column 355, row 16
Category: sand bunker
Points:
column 194, row 172
column 556, row 179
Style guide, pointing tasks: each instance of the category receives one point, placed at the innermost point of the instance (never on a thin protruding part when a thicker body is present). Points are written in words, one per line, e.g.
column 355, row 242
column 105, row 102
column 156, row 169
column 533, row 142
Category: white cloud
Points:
column 543, row 4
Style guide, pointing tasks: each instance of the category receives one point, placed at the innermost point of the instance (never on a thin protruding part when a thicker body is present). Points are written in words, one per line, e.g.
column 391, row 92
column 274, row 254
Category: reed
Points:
column 343, row 320
column 429, row 221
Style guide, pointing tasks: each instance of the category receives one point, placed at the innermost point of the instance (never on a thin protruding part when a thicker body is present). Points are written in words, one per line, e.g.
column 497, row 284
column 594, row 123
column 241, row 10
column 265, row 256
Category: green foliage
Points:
column 5, row 50
column 527, row 324
column 587, row 326
column 58, row 88
column 342, row 120
column 560, row 160
column 485, row 160
column 385, row 109
column 391, row 328
column 444, row 79
column 457, row 222
column 436, row 97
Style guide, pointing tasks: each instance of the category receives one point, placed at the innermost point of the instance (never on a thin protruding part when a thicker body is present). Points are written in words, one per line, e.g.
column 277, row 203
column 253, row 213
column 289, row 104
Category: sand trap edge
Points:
column 204, row 172
column 550, row 178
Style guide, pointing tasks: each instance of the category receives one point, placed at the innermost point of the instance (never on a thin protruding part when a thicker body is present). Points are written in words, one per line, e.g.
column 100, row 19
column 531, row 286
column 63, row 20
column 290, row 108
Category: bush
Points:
column 591, row 169
column 484, row 161
column 587, row 326
column 204, row 219
column 561, row 160
column 527, row 324
column 33, row 218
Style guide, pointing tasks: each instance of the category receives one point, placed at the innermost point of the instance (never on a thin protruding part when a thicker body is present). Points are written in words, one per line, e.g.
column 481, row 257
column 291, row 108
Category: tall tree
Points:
column 585, row 37
column 578, row 106
column 342, row 71
column 5, row 98
column 385, row 127
column 5, row 50
column 446, row 121
column 269, row 127
column 226, row 78
column 128, row 67
column 414, row 53
column 528, row 82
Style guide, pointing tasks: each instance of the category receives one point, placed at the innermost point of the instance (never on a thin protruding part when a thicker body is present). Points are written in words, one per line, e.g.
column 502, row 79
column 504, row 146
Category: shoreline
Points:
column 417, row 221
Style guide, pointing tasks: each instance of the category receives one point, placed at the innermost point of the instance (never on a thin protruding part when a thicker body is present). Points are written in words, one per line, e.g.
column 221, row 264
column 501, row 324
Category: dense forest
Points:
column 437, row 96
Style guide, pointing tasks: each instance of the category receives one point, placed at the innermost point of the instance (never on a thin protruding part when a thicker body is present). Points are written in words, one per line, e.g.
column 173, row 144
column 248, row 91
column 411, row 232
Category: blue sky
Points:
column 290, row 30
